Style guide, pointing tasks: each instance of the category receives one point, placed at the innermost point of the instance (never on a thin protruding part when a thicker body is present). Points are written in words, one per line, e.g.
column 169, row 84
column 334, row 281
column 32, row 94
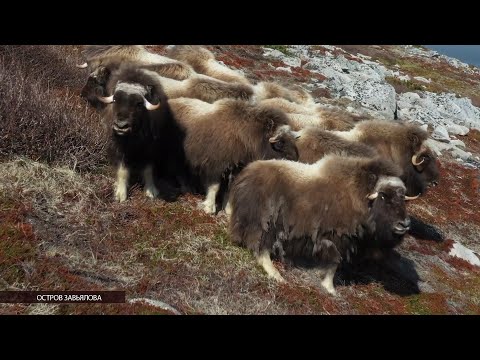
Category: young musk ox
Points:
column 405, row 145
column 146, row 137
column 331, row 210
column 228, row 134
column 203, row 62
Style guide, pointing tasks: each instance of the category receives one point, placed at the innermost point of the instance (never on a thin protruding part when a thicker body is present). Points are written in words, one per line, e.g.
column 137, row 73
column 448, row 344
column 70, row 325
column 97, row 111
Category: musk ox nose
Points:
column 435, row 183
column 121, row 127
column 121, row 124
column 402, row 226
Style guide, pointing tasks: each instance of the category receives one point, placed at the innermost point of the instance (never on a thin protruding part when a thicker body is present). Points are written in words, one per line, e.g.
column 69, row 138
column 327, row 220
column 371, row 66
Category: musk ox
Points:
column 229, row 134
column 326, row 212
column 320, row 120
column 146, row 138
column 313, row 143
column 197, row 86
column 112, row 56
column 206, row 88
column 271, row 90
column 203, row 62
column 404, row 144
column 302, row 115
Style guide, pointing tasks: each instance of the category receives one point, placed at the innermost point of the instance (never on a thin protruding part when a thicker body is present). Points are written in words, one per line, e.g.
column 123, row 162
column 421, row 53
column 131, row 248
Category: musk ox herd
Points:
column 296, row 178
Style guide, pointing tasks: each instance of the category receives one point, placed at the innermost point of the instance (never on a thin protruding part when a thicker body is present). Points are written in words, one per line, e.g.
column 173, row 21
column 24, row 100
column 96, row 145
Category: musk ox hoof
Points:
column 121, row 194
column 151, row 192
column 228, row 209
column 278, row 278
column 330, row 289
column 209, row 207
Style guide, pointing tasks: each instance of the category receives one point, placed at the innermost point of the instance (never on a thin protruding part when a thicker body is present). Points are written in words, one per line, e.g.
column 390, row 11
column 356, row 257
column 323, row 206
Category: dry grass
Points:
column 43, row 119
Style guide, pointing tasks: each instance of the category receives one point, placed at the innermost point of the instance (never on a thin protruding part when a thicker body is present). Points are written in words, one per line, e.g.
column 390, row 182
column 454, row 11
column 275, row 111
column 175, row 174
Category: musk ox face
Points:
column 422, row 172
column 388, row 219
column 128, row 110
column 130, row 107
column 283, row 143
column 96, row 86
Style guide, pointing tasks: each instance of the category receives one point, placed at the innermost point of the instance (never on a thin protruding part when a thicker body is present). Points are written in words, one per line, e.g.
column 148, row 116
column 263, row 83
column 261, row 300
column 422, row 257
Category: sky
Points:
column 469, row 54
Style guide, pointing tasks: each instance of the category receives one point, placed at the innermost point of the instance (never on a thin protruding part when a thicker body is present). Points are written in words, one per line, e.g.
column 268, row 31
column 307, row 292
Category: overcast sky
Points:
column 469, row 54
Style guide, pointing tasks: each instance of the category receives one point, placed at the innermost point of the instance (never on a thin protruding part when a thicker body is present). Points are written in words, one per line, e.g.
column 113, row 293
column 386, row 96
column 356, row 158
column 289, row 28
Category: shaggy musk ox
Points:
column 197, row 86
column 404, row 144
column 302, row 115
column 228, row 134
column 313, row 143
column 112, row 56
column 145, row 136
column 326, row 212
column 205, row 88
column 203, row 62
column 295, row 95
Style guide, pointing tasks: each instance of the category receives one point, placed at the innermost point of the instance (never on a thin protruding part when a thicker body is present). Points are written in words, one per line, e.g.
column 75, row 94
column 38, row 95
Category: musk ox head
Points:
column 388, row 220
column 422, row 170
column 96, row 86
column 131, row 104
column 283, row 143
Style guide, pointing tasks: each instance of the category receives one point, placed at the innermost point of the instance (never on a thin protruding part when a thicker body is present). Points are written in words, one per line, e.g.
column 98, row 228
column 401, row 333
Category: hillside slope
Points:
column 61, row 230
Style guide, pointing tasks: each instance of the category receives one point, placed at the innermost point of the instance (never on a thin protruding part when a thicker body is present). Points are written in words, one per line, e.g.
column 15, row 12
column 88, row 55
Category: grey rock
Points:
column 441, row 134
column 457, row 129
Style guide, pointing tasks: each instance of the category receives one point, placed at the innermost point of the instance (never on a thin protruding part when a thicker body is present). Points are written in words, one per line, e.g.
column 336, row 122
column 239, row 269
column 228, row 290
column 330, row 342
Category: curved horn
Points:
column 83, row 66
column 372, row 196
column 273, row 140
column 151, row 106
column 415, row 162
column 106, row 100
column 411, row 197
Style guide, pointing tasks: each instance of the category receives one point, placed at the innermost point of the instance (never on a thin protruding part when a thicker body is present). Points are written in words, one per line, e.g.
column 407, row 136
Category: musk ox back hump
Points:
column 314, row 143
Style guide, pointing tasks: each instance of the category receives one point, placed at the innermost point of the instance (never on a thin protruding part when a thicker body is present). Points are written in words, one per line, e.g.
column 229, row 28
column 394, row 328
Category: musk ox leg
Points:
column 150, row 189
column 209, row 203
column 121, row 186
column 327, row 281
column 265, row 261
column 328, row 254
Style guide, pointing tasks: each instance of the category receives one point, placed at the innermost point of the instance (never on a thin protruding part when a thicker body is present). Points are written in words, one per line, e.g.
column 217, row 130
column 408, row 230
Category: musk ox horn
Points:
column 82, row 66
column 273, row 140
column 415, row 161
column 372, row 196
column 411, row 197
column 296, row 134
column 151, row 106
column 106, row 100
